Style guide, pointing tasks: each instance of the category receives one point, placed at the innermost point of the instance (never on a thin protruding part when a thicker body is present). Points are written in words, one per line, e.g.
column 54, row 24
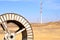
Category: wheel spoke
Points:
column 4, row 27
column 20, row 31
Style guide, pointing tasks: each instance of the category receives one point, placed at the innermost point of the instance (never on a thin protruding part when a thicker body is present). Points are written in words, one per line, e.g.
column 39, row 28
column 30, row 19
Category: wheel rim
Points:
column 21, row 22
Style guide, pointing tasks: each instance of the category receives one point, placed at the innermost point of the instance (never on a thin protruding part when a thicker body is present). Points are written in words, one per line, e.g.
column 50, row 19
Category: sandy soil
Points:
column 48, row 31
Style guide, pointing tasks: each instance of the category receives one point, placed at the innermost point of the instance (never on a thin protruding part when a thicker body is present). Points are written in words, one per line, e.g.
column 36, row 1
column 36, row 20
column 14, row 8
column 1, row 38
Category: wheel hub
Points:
column 9, row 36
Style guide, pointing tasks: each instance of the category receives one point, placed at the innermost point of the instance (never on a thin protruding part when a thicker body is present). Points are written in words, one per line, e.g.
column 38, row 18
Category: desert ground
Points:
column 46, row 31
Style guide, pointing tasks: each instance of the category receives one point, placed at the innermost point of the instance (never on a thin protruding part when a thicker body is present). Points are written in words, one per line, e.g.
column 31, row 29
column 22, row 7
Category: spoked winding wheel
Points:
column 14, row 27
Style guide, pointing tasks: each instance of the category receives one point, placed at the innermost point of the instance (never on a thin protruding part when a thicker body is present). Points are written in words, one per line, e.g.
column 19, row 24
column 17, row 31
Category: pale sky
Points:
column 30, row 9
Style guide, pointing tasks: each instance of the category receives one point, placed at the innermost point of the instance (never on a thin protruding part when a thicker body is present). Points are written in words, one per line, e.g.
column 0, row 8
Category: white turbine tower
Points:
column 41, row 11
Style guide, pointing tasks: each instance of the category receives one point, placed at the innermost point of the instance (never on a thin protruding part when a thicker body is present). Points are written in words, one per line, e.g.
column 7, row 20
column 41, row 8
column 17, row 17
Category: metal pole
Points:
column 41, row 11
column 41, row 18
